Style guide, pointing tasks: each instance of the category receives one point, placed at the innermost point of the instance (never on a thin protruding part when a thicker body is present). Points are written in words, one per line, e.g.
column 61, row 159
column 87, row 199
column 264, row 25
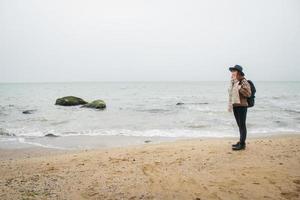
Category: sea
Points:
column 142, row 109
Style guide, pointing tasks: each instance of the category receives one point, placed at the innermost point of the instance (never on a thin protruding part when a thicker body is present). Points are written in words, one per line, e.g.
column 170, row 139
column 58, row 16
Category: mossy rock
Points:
column 70, row 101
column 97, row 104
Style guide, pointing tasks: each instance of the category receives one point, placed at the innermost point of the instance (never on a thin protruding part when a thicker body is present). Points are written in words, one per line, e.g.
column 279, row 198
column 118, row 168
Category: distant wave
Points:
column 4, row 132
column 197, row 126
column 197, row 103
column 292, row 111
column 154, row 110
column 60, row 122
column 283, row 96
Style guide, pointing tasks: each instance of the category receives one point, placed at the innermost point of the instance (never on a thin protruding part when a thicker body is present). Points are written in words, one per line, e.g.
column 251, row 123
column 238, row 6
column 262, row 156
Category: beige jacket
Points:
column 234, row 94
column 244, row 92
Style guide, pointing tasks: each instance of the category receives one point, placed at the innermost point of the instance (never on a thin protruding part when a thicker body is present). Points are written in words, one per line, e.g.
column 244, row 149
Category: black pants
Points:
column 240, row 114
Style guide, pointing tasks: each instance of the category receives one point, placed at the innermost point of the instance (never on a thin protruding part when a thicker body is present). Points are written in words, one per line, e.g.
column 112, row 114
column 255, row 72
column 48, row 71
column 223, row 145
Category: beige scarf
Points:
column 234, row 96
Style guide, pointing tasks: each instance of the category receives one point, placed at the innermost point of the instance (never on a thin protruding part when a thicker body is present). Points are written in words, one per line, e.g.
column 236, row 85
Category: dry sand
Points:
column 190, row 169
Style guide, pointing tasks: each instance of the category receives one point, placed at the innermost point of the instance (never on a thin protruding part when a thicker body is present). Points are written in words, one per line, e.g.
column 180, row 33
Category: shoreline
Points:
column 182, row 169
column 94, row 143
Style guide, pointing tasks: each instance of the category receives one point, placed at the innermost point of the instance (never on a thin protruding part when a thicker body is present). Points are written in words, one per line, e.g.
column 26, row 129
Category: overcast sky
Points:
column 153, row 40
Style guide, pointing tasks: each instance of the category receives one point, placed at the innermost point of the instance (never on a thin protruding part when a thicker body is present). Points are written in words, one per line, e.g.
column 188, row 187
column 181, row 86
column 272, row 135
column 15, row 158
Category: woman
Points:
column 239, row 91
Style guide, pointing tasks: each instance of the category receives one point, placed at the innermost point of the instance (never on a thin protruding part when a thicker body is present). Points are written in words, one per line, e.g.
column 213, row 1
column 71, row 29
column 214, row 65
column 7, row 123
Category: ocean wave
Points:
column 292, row 111
column 154, row 110
column 191, row 132
column 165, row 133
column 125, row 132
column 24, row 132
column 4, row 110
column 206, row 109
column 3, row 113
column 60, row 122
column 32, row 119
column 173, row 132
column 8, row 139
column 277, row 97
column 191, row 103
column 200, row 126
column 4, row 132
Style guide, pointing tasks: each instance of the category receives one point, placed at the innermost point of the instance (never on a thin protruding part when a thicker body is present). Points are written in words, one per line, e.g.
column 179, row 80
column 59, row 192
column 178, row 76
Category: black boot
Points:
column 234, row 145
column 240, row 146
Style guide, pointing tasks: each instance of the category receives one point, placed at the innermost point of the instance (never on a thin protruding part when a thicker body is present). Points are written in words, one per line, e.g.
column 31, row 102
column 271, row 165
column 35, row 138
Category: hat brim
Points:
column 232, row 69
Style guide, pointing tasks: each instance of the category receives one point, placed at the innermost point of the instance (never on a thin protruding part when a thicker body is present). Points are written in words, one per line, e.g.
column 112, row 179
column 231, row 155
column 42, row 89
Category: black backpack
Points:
column 251, row 99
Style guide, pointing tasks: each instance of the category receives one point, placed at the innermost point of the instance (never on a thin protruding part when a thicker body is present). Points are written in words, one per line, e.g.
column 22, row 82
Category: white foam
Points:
column 194, row 133
column 23, row 141
column 155, row 132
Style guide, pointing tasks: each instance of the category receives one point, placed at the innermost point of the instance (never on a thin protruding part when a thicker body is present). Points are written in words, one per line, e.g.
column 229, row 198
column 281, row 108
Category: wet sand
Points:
column 185, row 169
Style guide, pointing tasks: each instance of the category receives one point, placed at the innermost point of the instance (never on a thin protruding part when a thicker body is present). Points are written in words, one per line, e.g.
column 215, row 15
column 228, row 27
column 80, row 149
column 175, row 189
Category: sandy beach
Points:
column 185, row 169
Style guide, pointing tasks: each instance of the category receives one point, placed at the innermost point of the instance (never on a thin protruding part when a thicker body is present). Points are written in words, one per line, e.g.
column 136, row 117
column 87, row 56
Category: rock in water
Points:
column 97, row 104
column 28, row 111
column 70, row 101
column 50, row 135
column 179, row 103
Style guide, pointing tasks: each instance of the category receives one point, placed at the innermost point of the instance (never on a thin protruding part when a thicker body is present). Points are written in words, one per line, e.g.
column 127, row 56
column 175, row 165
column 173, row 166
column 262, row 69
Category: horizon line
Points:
column 25, row 82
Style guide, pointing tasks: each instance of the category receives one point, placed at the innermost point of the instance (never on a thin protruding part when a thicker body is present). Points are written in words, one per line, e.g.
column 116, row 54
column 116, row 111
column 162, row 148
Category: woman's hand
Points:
column 229, row 109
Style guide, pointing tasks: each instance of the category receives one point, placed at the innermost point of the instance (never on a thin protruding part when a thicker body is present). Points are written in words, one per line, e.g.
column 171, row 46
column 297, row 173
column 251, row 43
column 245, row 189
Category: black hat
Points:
column 237, row 68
